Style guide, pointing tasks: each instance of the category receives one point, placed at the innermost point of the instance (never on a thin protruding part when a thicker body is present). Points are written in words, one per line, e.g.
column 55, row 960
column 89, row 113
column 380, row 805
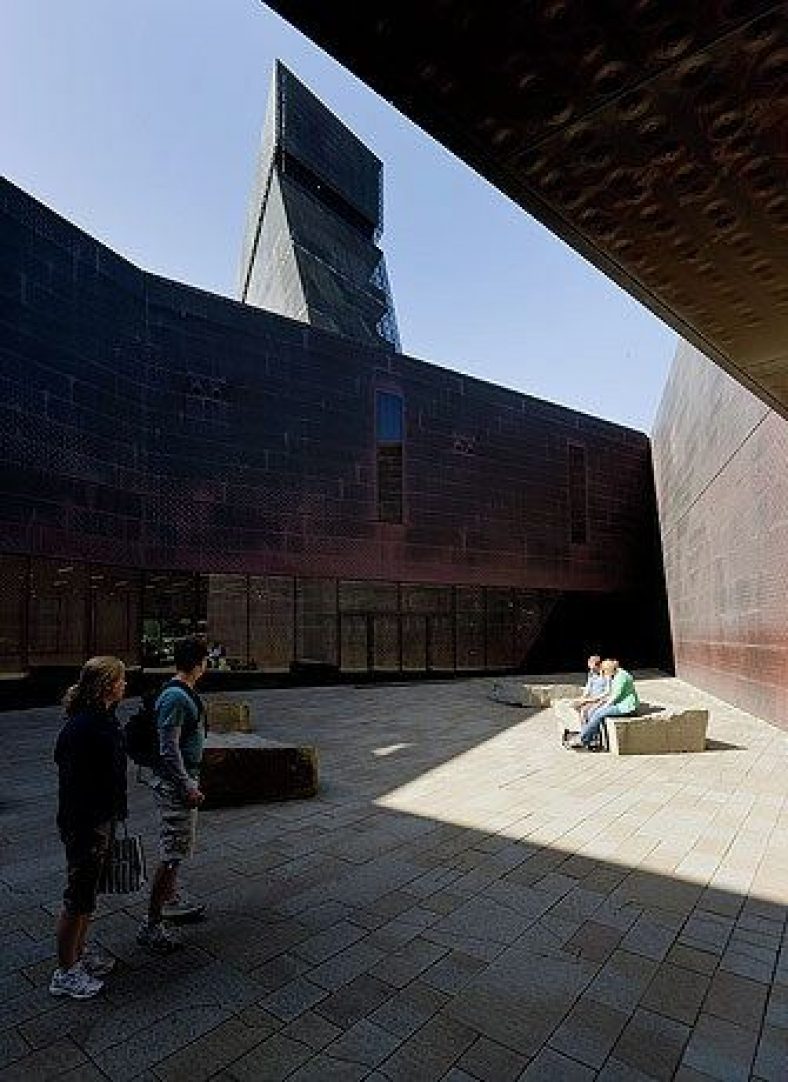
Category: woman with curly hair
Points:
column 91, row 758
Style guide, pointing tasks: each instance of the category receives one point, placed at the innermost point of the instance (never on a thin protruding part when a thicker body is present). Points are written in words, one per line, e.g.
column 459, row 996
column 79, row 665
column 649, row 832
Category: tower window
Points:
column 578, row 495
column 389, row 431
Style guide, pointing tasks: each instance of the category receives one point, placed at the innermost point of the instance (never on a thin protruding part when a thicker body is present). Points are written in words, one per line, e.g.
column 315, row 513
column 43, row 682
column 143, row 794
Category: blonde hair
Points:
column 609, row 666
column 94, row 684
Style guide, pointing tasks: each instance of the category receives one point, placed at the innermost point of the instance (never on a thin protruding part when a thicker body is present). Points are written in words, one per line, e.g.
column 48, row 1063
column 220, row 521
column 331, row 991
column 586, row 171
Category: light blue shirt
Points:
column 596, row 685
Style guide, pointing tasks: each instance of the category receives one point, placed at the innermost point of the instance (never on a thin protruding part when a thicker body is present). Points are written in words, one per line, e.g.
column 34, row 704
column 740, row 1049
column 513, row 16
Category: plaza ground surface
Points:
column 465, row 900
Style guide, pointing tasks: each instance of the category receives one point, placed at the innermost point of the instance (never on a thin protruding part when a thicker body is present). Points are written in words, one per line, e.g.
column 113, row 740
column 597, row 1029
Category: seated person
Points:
column 621, row 701
column 594, row 693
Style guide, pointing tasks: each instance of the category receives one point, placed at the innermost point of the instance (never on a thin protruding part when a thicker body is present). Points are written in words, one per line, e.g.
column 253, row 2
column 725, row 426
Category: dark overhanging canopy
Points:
column 651, row 135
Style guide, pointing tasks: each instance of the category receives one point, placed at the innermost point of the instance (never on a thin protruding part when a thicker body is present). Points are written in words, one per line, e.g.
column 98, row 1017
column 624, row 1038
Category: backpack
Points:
column 142, row 730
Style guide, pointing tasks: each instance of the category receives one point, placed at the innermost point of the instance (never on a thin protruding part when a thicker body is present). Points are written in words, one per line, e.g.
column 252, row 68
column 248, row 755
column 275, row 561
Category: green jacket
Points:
column 622, row 692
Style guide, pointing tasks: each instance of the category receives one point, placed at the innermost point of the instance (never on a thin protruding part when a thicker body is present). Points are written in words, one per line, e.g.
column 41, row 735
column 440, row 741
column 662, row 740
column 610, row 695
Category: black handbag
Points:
column 124, row 870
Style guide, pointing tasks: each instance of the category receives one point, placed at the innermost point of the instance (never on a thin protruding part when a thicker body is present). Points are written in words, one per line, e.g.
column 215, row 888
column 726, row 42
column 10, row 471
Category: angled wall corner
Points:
column 310, row 250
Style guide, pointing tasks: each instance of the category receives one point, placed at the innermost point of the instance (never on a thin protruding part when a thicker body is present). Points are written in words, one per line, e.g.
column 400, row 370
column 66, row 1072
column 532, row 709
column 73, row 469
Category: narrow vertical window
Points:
column 578, row 495
column 389, row 429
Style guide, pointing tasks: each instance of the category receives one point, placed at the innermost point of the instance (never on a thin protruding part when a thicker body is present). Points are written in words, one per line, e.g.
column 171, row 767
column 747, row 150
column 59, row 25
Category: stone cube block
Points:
column 246, row 769
column 228, row 716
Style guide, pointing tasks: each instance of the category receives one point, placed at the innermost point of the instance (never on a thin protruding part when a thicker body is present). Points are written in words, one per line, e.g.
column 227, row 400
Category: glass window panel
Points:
column 389, row 421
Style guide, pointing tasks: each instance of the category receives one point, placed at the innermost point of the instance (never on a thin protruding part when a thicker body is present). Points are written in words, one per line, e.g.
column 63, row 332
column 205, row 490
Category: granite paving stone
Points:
column 311, row 1029
column 342, row 968
column 45, row 1063
column 429, row 1054
column 758, row 966
column 409, row 1009
column 736, row 998
column 550, row 1066
column 452, row 972
column 355, row 1000
column 589, row 1031
column 771, row 1061
column 158, row 1040
column 700, row 961
column 623, row 980
column 406, row 964
column 272, row 1060
column 292, row 999
column 208, row 1054
column 364, row 1043
column 491, row 1062
column 651, row 1045
column 721, row 1049
column 12, row 1046
column 617, row 1071
column 677, row 993
column 325, row 1069
column 777, row 1008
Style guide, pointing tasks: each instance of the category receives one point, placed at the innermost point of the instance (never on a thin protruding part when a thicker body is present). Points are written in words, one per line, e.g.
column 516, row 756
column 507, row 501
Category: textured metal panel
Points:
column 115, row 612
column 721, row 465
column 650, row 135
column 315, row 214
column 228, row 617
column 271, row 622
column 13, row 592
column 319, row 139
column 354, row 630
column 316, row 620
column 58, row 605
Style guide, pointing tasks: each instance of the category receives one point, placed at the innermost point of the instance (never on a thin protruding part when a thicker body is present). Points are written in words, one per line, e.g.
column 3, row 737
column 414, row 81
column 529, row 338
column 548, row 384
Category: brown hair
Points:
column 95, row 680
column 189, row 652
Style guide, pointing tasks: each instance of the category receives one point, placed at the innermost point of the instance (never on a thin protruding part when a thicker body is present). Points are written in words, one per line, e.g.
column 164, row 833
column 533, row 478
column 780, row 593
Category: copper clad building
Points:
column 290, row 483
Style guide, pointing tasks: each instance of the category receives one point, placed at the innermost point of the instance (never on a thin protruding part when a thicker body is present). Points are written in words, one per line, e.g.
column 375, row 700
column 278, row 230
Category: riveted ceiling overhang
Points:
column 651, row 135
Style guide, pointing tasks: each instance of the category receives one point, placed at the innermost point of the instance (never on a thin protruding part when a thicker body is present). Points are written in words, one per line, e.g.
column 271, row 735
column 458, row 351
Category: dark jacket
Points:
column 91, row 756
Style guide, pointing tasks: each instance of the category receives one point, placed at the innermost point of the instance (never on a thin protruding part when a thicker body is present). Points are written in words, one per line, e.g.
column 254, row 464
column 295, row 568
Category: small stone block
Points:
column 244, row 769
column 228, row 716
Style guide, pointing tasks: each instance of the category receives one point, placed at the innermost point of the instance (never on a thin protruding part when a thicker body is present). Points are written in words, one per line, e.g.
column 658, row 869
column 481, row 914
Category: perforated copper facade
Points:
column 169, row 457
column 651, row 135
column 721, row 466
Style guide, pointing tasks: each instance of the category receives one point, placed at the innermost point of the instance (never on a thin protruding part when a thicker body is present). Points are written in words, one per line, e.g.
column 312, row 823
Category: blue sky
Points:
column 139, row 120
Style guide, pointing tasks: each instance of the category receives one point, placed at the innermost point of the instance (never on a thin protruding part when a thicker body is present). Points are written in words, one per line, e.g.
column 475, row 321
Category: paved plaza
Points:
column 465, row 900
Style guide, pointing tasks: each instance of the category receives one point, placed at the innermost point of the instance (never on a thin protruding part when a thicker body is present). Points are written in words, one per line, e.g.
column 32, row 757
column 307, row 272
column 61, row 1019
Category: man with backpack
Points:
column 180, row 726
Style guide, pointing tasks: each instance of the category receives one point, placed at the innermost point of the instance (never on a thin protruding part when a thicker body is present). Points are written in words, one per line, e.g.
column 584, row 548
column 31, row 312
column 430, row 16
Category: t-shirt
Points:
column 622, row 691
column 597, row 684
column 175, row 708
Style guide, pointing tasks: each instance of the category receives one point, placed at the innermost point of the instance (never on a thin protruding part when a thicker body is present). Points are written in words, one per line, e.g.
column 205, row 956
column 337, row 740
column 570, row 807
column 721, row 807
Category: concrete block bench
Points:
column 651, row 731
column 243, row 768
column 538, row 696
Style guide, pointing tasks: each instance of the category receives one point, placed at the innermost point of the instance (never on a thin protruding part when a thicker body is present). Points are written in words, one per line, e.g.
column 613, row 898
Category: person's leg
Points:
column 163, row 888
column 592, row 727
column 84, row 857
column 179, row 907
column 68, row 932
column 176, row 841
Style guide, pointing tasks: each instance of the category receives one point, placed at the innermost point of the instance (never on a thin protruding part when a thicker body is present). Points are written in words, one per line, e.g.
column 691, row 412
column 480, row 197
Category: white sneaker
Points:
column 182, row 908
column 75, row 982
column 96, row 963
column 158, row 938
